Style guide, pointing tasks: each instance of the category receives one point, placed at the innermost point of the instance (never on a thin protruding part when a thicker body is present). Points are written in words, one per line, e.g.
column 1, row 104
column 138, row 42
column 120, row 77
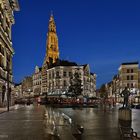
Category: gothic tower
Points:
column 52, row 52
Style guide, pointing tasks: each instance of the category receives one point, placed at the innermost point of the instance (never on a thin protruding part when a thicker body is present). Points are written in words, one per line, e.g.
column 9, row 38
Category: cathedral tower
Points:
column 52, row 52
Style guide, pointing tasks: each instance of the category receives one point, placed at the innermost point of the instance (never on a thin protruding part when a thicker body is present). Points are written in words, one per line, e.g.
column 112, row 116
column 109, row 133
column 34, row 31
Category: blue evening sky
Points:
column 102, row 33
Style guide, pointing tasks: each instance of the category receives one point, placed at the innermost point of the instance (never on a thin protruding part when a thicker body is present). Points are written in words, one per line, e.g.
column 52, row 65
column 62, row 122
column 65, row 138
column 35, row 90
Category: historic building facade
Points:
column 93, row 77
column 113, row 88
column 52, row 51
column 18, row 91
column 37, row 81
column 128, row 76
column 58, row 80
column 27, row 86
column 55, row 74
column 89, row 82
column 7, row 7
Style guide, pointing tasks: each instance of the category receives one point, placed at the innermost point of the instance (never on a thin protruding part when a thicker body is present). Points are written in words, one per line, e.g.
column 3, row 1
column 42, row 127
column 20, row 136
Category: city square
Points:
column 69, row 78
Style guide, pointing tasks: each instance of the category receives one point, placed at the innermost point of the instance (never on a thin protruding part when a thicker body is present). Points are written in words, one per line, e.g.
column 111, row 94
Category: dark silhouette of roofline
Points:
column 130, row 63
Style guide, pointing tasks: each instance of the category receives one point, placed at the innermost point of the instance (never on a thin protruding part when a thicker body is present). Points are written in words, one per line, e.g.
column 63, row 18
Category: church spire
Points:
column 52, row 53
column 52, row 26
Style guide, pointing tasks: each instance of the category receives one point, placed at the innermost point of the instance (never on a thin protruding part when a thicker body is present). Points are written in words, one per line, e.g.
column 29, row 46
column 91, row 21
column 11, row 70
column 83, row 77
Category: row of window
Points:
column 130, row 85
column 1, row 49
column 1, row 62
column 58, row 74
column 65, row 83
column 130, row 70
column 37, row 83
column 4, row 75
column 8, row 56
column 35, row 77
column 4, row 22
column 130, row 77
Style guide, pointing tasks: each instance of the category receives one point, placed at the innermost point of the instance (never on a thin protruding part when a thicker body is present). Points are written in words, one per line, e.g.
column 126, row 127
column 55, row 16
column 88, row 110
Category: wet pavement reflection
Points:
column 98, row 124
column 35, row 123
column 24, row 123
column 58, row 124
column 136, row 120
column 46, row 123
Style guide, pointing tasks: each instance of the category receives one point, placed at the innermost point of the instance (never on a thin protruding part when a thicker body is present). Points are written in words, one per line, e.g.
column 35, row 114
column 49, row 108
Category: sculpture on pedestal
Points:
column 125, row 93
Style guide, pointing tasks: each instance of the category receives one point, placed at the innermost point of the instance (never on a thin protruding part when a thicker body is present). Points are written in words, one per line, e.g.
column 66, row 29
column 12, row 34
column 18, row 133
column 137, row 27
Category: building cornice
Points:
column 15, row 5
column 59, row 67
column 6, row 40
column 9, row 7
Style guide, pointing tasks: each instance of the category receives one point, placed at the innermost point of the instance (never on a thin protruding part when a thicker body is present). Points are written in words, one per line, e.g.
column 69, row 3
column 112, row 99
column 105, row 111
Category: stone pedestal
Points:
column 125, row 117
column 125, row 114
